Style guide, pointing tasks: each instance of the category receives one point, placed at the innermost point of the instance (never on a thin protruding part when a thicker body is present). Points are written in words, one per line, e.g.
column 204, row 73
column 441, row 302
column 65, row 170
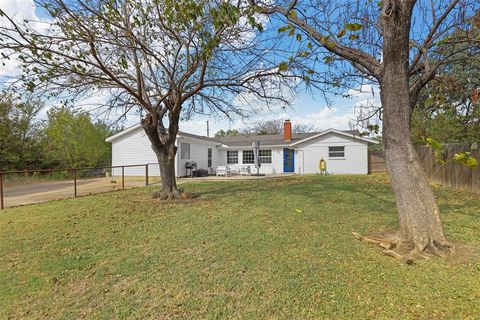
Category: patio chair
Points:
column 223, row 171
column 244, row 171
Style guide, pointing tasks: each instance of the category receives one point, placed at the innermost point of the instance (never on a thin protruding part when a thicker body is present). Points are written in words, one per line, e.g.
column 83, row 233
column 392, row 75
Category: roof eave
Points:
column 123, row 132
column 202, row 139
column 224, row 146
column 335, row 131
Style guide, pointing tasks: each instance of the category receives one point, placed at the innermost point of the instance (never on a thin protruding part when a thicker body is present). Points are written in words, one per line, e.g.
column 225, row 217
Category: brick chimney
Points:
column 287, row 130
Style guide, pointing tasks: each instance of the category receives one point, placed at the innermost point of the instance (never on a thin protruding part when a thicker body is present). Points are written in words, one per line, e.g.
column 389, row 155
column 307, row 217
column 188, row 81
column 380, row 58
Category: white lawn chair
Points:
column 244, row 171
column 223, row 171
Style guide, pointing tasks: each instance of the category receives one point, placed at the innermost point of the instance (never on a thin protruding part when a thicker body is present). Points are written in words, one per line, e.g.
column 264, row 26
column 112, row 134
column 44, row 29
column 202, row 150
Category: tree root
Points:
column 387, row 244
column 176, row 194
column 396, row 255
column 407, row 252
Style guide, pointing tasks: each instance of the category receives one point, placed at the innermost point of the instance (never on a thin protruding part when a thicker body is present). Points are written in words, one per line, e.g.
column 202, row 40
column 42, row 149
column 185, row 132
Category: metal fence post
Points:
column 123, row 178
column 75, row 182
column 1, row 191
column 146, row 174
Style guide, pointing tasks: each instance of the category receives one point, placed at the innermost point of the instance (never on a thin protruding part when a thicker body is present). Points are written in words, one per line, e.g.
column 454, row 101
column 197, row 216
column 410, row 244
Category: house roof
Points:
column 246, row 141
column 355, row 134
column 268, row 139
column 297, row 138
column 196, row 136
column 138, row 127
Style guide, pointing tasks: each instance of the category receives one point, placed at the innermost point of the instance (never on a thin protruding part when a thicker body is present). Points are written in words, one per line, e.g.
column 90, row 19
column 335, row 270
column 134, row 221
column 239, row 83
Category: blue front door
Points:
column 288, row 160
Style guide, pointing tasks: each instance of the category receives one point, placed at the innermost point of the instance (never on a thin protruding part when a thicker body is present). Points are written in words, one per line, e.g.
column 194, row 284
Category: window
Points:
column 209, row 158
column 265, row 156
column 185, row 150
column 248, row 157
column 336, row 152
column 232, row 157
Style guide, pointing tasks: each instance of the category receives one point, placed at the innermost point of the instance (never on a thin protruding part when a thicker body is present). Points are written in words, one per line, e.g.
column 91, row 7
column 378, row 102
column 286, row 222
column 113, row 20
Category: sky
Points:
column 307, row 108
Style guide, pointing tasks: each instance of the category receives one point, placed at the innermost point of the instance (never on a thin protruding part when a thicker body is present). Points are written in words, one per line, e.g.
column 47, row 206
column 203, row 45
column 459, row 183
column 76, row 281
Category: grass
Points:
column 265, row 249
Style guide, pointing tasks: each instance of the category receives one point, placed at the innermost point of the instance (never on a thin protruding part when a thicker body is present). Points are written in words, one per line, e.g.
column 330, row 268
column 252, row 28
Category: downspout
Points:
column 303, row 163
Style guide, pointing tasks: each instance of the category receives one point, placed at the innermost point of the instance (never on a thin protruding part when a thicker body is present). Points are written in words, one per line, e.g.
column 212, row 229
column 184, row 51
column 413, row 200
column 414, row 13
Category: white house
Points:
column 345, row 152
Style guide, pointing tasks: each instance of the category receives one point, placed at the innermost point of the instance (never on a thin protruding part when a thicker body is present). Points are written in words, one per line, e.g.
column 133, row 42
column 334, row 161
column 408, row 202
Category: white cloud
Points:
column 366, row 102
column 326, row 118
column 365, row 91
column 19, row 11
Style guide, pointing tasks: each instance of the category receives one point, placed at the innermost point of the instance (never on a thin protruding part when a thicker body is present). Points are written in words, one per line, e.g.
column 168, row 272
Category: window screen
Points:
column 248, row 157
column 232, row 157
column 336, row 152
column 185, row 150
column 265, row 156
column 209, row 158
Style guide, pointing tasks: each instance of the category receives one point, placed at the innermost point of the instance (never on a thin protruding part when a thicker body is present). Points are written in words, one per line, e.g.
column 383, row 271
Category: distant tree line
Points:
column 65, row 137
column 265, row 127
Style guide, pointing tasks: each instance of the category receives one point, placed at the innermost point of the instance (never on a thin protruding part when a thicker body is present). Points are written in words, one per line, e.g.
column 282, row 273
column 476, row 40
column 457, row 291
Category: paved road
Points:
column 20, row 194
column 40, row 187
column 35, row 192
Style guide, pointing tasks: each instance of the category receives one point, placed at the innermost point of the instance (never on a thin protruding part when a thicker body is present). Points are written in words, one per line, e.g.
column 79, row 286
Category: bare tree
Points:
column 304, row 128
column 170, row 59
column 395, row 44
column 275, row 126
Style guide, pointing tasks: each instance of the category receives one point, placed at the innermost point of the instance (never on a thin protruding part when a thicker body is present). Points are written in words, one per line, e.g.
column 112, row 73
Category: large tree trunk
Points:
column 420, row 226
column 163, row 144
column 166, row 161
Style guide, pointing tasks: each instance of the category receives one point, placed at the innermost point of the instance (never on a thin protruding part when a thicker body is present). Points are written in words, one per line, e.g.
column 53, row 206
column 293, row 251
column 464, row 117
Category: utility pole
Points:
column 208, row 130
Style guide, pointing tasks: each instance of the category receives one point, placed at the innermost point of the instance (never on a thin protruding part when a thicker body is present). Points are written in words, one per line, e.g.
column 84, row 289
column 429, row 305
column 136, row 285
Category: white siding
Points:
column 198, row 153
column 134, row 148
column 308, row 155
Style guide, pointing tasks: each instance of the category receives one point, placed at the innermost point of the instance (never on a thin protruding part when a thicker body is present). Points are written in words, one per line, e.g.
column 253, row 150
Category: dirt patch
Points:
column 464, row 254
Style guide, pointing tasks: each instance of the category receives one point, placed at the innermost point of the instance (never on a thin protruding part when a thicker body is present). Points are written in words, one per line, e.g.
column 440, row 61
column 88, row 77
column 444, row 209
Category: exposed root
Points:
column 443, row 247
column 381, row 242
column 176, row 194
column 386, row 243
column 407, row 252
column 398, row 256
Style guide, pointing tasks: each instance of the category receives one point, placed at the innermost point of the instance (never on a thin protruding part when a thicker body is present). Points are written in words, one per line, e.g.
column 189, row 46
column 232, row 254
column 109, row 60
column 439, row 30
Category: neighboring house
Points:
column 345, row 152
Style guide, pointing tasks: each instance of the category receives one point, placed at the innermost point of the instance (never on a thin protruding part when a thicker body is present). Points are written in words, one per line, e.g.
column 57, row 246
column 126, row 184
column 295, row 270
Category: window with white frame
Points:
column 209, row 159
column 336, row 152
column 184, row 150
column 248, row 157
column 265, row 156
column 232, row 157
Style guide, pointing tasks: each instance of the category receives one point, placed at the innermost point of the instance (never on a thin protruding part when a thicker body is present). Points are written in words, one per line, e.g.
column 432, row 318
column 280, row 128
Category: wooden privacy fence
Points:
column 376, row 162
column 452, row 174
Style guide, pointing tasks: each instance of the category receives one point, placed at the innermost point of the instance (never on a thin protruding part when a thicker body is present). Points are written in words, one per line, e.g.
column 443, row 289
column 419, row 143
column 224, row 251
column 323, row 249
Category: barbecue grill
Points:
column 190, row 165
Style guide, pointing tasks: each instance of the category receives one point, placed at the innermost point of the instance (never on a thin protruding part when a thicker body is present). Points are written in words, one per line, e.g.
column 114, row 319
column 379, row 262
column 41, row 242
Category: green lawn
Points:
column 243, row 250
